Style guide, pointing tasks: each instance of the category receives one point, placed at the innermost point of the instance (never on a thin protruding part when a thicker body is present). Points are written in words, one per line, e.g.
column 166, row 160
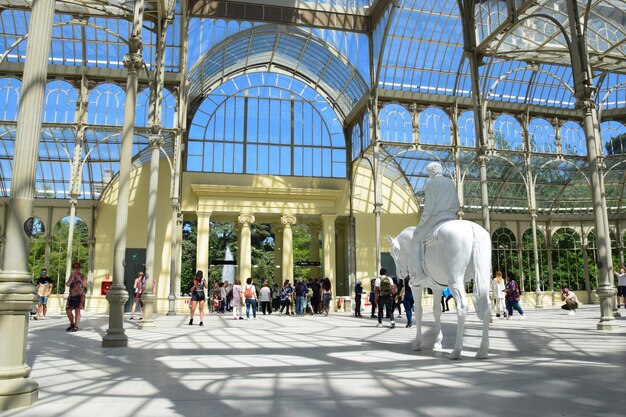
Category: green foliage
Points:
column 223, row 235
column 302, row 250
column 58, row 251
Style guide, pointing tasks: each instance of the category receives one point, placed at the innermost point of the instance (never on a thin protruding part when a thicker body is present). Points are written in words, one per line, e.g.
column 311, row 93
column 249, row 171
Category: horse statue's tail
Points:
column 481, row 258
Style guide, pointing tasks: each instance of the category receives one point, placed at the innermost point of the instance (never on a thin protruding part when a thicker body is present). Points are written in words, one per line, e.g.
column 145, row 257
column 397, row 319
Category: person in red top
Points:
column 76, row 300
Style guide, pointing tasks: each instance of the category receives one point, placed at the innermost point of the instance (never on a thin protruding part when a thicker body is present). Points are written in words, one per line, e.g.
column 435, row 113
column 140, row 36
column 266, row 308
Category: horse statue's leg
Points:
column 437, row 316
column 483, row 351
column 417, row 296
column 461, row 314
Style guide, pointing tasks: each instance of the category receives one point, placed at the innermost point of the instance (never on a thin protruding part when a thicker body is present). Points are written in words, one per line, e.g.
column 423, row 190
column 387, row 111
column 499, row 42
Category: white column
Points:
column 328, row 239
column 202, row 245
column 148, row 297
column 245, row 247
column 17, row 389
column 314, row 229
column 70, row 242
column 287, row 220
column 176, row 237
column 117, row 295
column 278, row 253
column 538, row 293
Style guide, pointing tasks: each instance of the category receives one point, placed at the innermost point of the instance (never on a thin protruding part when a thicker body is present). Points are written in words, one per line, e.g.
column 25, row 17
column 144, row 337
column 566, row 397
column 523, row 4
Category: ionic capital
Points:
column 288, row 220
column 246, row 219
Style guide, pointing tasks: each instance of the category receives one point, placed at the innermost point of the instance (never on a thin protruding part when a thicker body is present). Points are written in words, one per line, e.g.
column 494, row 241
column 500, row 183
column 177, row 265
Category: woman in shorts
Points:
column 198, row 295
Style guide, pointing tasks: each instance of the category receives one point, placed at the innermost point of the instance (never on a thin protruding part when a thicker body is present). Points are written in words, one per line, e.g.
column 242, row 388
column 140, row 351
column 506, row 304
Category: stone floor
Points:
column 550, row 364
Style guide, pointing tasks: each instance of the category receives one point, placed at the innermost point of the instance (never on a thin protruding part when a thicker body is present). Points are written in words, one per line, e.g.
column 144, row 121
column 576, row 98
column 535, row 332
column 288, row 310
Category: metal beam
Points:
column 497, row 106
column 75, row 73
column 337, row 18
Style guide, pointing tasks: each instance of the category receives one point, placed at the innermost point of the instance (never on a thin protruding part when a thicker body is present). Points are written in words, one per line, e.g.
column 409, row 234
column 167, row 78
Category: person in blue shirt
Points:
column 445, row 298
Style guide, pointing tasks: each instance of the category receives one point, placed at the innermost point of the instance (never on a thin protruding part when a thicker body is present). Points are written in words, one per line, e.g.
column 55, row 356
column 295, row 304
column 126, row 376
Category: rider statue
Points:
column 441, row 203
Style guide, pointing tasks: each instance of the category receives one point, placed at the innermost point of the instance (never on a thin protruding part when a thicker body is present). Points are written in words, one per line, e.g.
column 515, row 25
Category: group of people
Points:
column 386, row 294
column 77, row 284
column 506, row 296
column 311, row 297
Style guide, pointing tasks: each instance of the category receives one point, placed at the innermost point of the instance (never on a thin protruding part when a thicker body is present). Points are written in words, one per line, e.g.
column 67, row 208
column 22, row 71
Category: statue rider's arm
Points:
column 429, row 202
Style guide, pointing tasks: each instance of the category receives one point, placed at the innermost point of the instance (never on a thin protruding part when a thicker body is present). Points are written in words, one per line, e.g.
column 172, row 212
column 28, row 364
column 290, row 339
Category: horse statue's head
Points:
column 399, row 255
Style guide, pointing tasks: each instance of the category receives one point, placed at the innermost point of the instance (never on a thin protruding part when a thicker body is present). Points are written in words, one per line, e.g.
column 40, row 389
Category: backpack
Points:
column 385, row 285
column 248, row 292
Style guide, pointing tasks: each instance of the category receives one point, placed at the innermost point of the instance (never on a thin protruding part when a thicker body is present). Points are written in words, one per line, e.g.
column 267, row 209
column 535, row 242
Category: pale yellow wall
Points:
column 136, row 233
column 399, row 211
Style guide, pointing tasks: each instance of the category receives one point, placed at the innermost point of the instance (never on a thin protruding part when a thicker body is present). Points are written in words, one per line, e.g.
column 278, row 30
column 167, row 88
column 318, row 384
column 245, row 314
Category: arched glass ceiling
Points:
column 280, row 49
column 537, row 37
column 527, row 62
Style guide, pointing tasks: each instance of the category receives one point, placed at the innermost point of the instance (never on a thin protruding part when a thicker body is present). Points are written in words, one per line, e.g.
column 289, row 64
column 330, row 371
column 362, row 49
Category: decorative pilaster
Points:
column 117, row 295
column 328, row 236
column 17, row 296
column 245, row 248
column 287, row 220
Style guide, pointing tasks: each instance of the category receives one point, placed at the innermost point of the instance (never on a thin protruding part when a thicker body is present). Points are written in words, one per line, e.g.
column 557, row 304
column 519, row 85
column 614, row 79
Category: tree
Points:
column 616, row 145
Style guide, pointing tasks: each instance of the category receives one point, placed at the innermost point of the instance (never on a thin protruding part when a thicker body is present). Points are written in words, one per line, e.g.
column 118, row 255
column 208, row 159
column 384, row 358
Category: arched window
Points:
column 573, row 139
column 10, row 91
column 541, row 136
column 60, row 102
column 613, row 138
column 567, row 259
column 168, row 109
column 434, row 127
column 467, row 130
column 528, row 260
column 106, row 105
column 507, row 133
column 505, row 257
column 395, row 124
column 267, row 130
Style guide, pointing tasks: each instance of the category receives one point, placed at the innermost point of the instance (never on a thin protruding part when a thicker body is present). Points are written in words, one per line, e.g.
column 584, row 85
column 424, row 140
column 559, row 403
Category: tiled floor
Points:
column 551, row 364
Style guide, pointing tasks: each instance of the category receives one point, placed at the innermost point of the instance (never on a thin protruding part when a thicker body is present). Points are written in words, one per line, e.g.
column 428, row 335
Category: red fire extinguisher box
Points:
column 105, row 286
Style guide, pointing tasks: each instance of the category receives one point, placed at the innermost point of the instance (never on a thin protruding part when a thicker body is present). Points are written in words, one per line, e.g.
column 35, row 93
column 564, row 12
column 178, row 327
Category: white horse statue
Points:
column 459, row 251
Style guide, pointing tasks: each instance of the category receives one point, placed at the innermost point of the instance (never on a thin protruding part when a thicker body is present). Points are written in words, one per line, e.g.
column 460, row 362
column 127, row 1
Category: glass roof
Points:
column 281, row 49
column 416, row 49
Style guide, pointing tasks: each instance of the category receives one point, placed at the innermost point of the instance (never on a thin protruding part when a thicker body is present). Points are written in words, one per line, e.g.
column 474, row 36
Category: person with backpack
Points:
column 512, row 297
column 385, row 291
column 249, row 293
column 284, row 296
